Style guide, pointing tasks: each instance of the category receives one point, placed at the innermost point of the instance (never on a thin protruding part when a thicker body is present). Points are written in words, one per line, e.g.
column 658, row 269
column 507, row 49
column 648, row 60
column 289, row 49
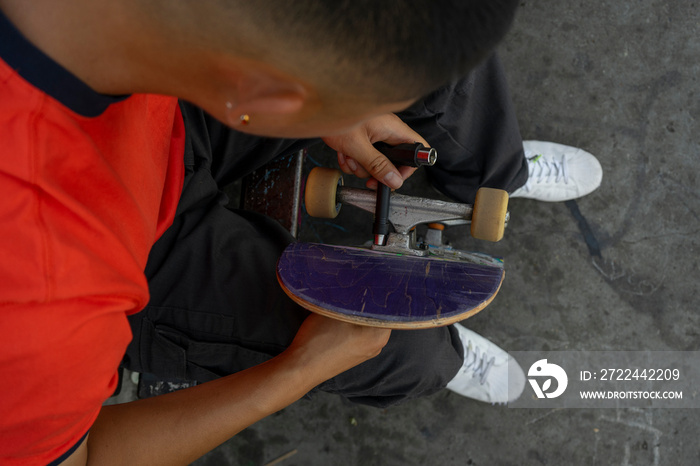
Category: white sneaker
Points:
column 488, row 373
column 558, row 173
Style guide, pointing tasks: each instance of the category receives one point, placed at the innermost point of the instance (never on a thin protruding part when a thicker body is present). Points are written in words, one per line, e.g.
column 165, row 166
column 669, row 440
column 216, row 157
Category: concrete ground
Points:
column 618, row 78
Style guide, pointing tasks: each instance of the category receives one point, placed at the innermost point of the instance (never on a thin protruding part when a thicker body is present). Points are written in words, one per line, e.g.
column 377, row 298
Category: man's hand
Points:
column 328, row 347
column 357, row 156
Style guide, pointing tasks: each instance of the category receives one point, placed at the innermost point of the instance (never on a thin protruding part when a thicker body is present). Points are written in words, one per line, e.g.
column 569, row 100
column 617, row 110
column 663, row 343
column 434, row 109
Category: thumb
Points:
column 384, row 171
column 378, row 166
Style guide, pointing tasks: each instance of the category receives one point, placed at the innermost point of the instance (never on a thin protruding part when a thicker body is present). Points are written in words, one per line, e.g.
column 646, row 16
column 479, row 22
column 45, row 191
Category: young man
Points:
column 94, row 192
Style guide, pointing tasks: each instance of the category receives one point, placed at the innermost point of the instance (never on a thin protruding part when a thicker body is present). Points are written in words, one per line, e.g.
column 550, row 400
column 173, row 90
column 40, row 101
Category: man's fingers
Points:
column 380, row 168
column 405, row 173
column 350, row 167
column 343, row 164
column 357, row 155
column 369, row 162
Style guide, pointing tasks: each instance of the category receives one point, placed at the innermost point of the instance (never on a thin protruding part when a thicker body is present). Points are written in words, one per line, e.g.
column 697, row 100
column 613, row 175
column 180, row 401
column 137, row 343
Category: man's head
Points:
column 353, row 53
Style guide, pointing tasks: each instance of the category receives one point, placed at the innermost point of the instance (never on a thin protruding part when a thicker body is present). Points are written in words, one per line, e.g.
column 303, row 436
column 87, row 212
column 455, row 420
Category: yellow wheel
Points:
column 319, row 196
column 489, row 214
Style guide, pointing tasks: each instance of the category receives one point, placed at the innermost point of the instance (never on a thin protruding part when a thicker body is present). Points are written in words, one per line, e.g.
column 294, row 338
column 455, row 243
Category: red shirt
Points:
column 85, row 191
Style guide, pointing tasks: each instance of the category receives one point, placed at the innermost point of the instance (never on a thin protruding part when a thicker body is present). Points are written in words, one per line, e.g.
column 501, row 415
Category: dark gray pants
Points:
column 216, row 307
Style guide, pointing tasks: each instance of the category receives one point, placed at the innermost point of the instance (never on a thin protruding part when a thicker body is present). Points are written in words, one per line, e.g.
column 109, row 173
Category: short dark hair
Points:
column 389, row 50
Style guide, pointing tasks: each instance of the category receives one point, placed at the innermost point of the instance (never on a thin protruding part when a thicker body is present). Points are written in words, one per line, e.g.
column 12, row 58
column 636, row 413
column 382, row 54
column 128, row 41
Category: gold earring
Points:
column 245, row 119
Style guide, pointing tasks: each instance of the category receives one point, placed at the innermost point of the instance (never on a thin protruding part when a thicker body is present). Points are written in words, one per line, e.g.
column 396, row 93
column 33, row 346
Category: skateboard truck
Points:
column 412, row 155
column 400, row 290
column 488, row 216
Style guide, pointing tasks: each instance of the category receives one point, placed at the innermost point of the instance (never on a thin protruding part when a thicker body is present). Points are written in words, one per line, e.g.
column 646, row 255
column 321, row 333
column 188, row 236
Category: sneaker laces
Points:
column 479, row 364
column 542, row 169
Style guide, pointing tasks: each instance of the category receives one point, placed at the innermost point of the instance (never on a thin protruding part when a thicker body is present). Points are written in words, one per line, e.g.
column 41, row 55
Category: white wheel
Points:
column 320, row 193
column 489, row 214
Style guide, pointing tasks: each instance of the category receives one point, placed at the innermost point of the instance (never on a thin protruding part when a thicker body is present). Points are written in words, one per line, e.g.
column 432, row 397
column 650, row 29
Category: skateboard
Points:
column 400, row 281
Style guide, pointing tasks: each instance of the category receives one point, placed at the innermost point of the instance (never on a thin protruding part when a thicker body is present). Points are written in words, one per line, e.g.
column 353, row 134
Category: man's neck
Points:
column 95, row 40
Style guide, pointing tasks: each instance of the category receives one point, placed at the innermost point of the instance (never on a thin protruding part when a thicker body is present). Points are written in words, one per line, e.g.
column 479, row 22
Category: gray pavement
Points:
column 618, row 78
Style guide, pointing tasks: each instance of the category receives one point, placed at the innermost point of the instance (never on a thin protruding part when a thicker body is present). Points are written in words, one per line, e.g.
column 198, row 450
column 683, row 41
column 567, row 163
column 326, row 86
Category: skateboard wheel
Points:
column 320, row 193
column 489, row 214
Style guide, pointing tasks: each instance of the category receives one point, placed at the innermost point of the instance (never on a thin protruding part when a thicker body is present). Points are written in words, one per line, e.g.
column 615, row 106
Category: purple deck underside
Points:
column 387, row 287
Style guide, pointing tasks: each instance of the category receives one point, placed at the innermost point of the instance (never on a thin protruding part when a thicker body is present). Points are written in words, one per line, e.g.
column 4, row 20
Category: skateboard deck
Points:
column 381, row 289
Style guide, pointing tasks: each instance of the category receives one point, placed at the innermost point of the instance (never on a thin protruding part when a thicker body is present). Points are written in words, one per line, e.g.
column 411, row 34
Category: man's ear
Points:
column 261, row 96
column 275, row 103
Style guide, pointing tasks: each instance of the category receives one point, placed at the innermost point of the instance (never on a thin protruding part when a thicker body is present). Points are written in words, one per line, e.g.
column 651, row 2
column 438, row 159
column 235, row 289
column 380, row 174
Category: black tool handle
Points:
column 381, row 214
column 412, row 155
